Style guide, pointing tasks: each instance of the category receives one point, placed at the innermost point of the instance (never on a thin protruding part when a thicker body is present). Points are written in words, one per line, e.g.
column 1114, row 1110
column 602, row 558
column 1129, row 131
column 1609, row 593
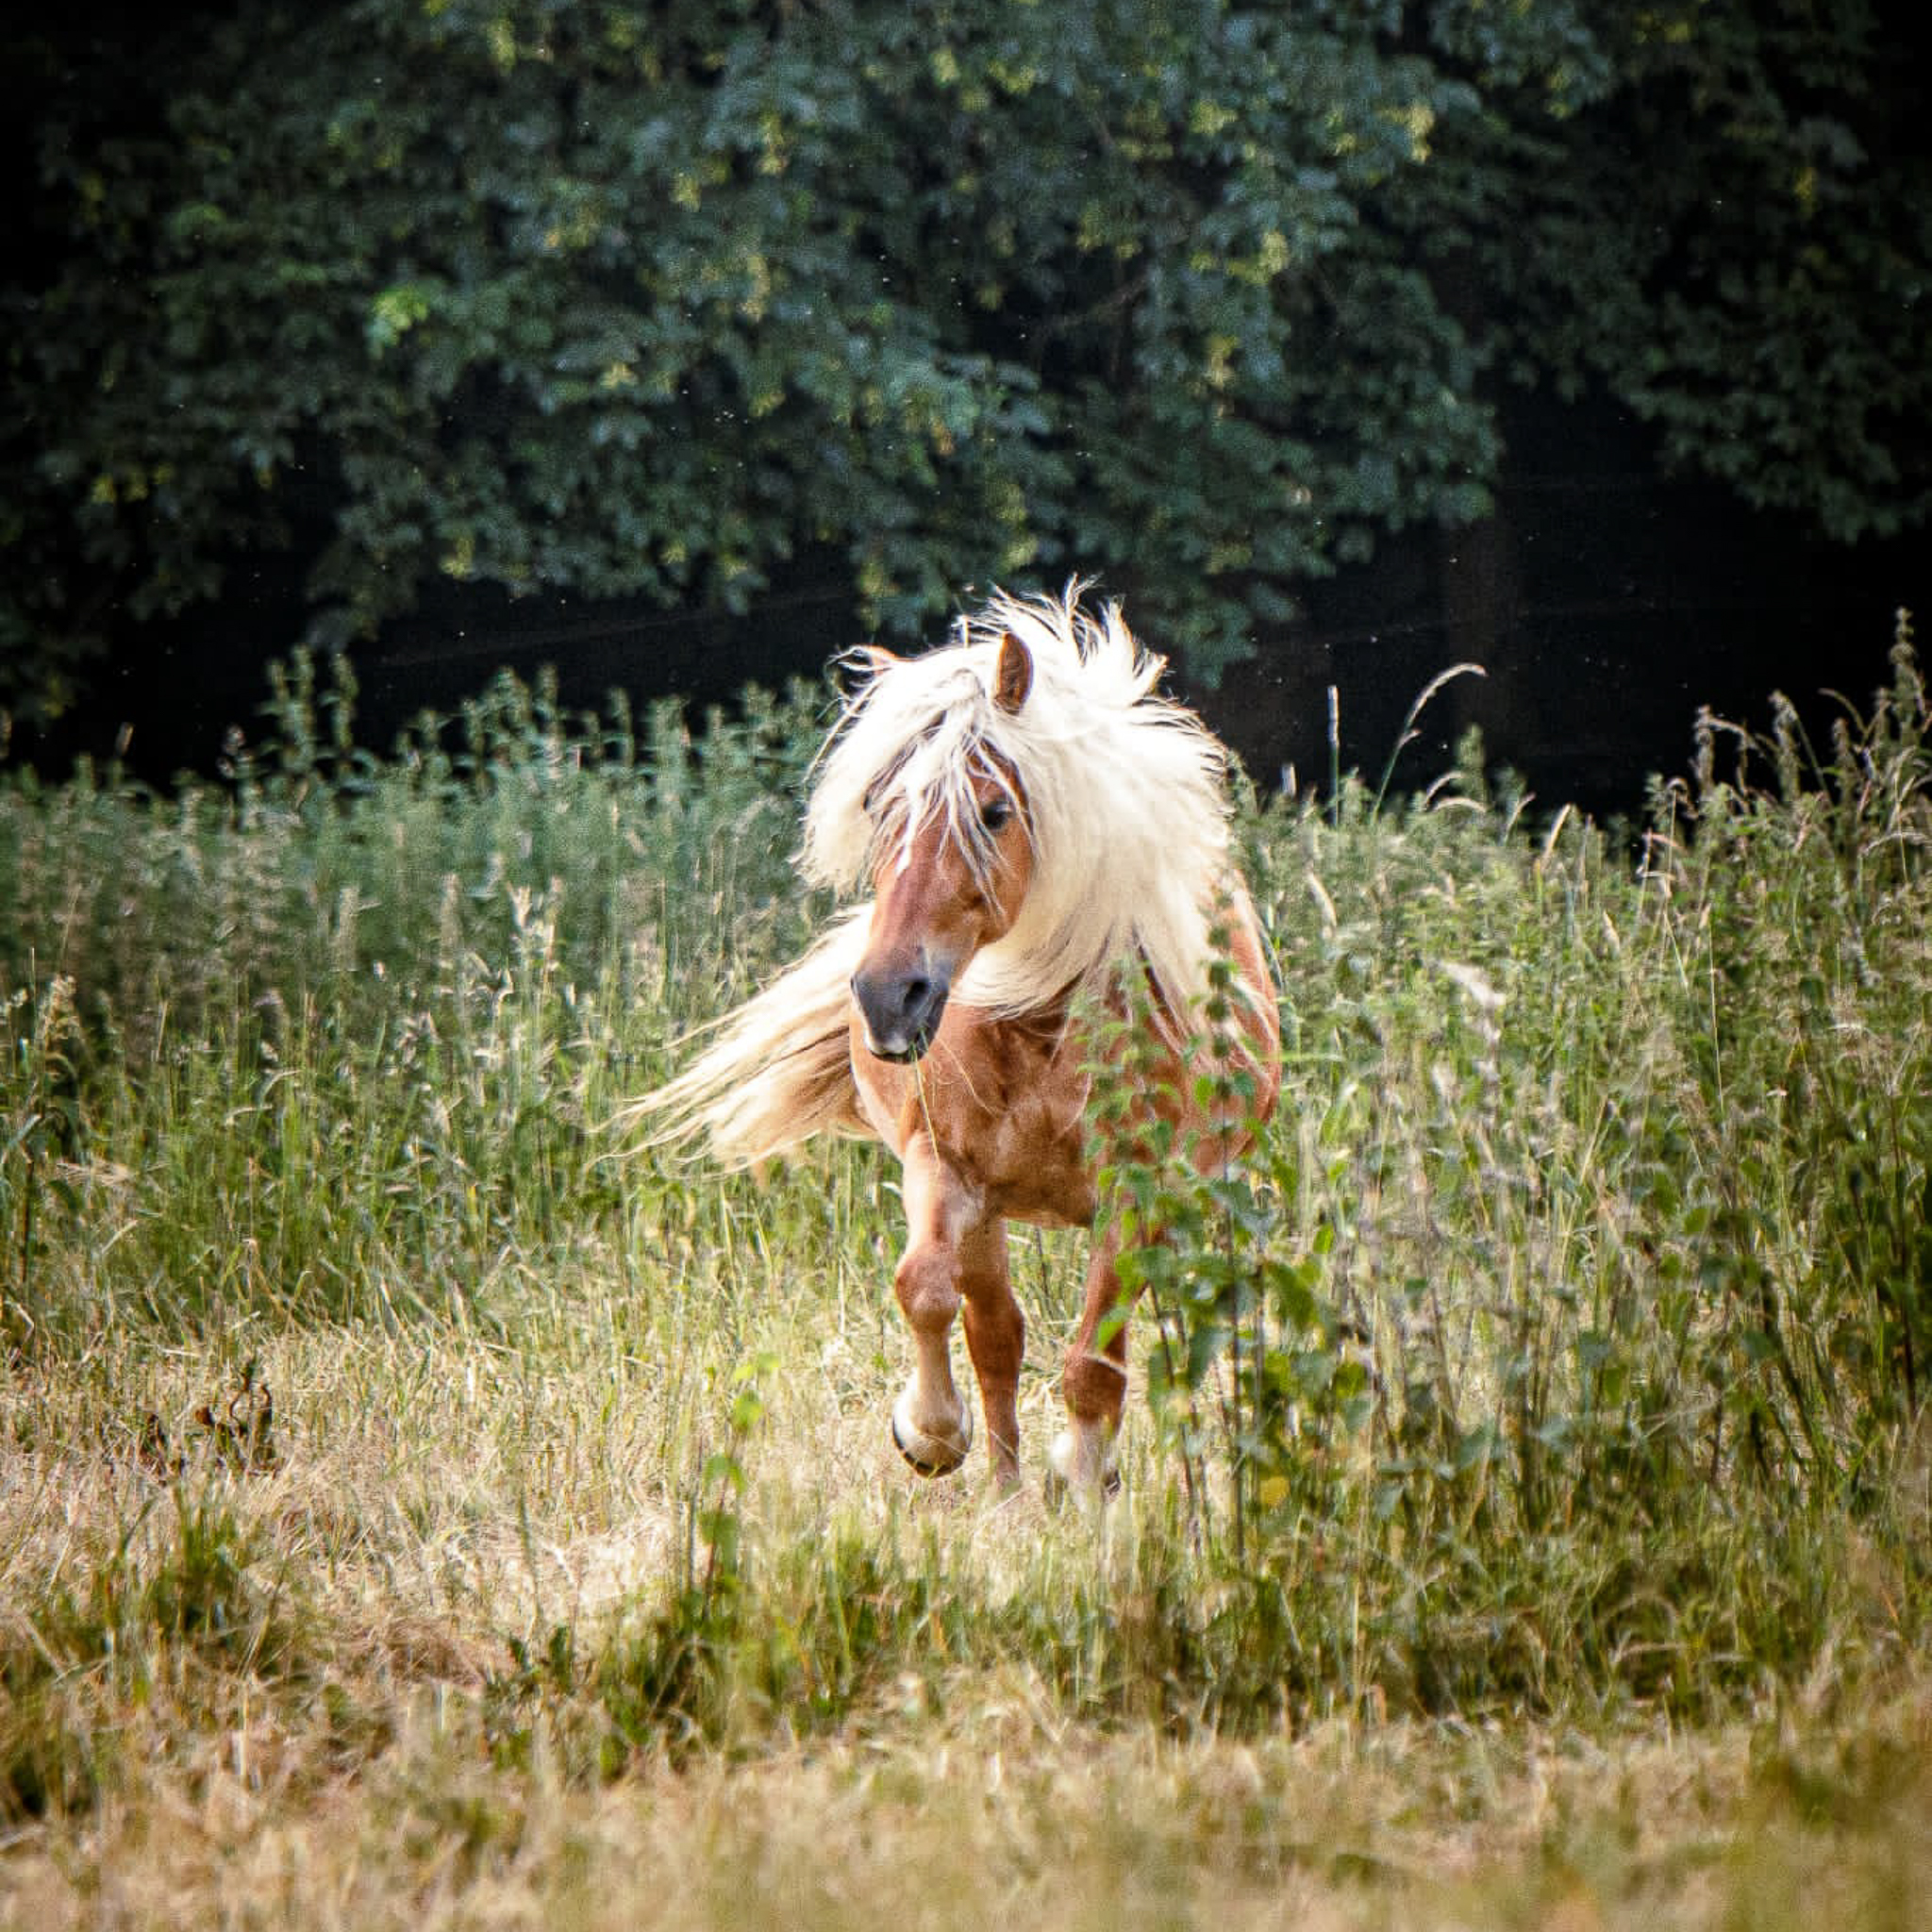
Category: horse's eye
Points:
column 997, row 814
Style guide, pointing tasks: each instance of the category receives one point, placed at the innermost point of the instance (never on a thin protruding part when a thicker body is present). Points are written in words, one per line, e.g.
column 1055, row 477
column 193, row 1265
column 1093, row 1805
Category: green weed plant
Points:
column 1569, row 1321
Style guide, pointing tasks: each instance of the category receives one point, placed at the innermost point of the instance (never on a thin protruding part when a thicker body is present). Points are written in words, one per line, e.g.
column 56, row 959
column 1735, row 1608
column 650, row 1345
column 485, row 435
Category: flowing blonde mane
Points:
column 1124, row 794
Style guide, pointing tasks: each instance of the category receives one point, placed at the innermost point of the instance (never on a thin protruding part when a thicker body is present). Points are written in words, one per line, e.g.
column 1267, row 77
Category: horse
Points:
column 1040, row 830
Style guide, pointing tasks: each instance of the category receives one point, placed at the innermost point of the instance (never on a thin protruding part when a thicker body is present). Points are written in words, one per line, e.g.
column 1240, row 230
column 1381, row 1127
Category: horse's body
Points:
column 1031, row 819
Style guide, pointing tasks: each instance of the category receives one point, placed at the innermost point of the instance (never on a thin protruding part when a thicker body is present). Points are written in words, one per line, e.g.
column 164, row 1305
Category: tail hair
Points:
column 779, row 1070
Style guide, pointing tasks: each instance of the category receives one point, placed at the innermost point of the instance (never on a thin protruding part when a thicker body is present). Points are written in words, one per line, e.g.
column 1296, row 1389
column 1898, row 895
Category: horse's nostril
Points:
column 901, row 1010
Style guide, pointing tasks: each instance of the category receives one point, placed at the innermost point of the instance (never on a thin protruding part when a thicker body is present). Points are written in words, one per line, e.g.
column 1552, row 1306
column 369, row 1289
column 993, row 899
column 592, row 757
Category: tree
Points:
column 650, row 298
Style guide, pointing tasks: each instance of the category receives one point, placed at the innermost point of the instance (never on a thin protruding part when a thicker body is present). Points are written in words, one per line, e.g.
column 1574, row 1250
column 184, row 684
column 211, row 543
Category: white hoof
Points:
column 931, row 1452
column 1081, row 1461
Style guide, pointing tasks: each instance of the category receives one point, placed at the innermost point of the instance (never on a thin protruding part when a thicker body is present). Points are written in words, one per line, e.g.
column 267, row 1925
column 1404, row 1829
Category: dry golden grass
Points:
column 999, row 1811
column 333, row 1763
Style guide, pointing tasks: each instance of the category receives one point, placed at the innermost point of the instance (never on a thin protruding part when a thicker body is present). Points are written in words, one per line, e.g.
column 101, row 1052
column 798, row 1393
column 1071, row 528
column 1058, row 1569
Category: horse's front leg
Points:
column 1094, row 1381
column 931, row 1425
column 996, row 1340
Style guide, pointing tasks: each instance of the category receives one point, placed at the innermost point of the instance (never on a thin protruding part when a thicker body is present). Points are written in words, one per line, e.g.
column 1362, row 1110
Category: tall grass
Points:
column 1570, row 1327
column 1563, row 1349
column 335, row 1030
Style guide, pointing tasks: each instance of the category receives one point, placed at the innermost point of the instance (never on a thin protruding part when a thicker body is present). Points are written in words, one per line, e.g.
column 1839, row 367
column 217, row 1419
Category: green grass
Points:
column 413, row 1502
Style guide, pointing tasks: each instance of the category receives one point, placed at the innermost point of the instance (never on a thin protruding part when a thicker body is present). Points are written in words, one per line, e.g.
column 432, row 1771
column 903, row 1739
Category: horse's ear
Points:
column 855, row 669
column 1014, row 678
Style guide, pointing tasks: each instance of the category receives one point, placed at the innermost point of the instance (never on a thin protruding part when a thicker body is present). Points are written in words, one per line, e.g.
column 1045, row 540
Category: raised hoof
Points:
column 929, row 1453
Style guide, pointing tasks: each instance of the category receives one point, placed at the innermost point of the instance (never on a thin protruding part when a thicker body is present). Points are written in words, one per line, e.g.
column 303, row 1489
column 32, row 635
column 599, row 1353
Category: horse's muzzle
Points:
column 902, row 1011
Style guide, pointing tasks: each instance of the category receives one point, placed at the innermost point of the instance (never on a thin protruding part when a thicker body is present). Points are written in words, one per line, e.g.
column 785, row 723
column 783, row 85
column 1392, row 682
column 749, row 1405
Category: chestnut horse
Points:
column 1030, row 816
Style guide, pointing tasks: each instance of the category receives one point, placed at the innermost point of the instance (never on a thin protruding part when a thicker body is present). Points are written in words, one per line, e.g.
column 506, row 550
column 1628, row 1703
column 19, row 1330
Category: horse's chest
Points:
column 1033, row 1161
column 1004, row 1105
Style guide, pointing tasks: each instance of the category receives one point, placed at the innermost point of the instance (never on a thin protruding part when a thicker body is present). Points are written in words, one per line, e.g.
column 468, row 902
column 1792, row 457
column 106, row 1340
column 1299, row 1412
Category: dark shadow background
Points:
column 1607, row 602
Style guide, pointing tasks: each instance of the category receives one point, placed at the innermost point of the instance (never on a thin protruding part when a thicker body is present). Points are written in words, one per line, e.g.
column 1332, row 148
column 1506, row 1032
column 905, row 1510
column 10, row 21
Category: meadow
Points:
column 420, row 1506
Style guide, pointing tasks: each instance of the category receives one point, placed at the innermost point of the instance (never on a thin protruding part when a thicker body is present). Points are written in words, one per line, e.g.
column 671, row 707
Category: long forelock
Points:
column 1122, row 790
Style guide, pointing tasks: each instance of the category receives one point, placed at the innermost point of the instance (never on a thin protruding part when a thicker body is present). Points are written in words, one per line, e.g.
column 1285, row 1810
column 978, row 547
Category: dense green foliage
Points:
column 1599, row 1224
column 1203, row 297
column 1566, row 1342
